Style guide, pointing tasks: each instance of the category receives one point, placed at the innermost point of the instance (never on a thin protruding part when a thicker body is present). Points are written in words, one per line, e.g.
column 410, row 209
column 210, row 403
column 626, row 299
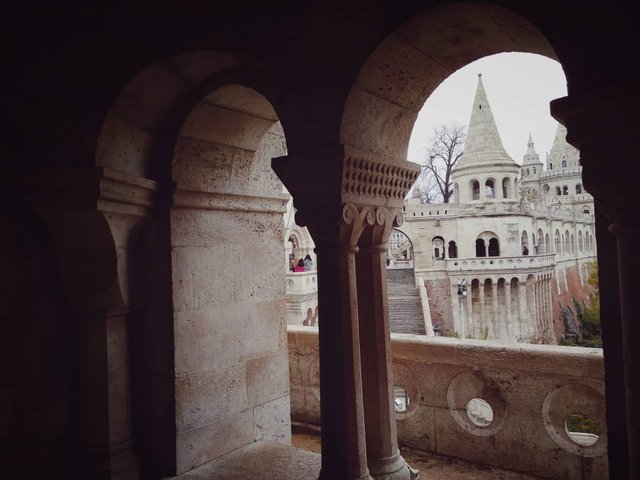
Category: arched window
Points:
column 494, row 247
column 580, row 244
column 524, row 243
column 558, row 245
column 578, row 189
column 453, row 249
column 437, row 245
column 490, row 188
column 550, row 166
column 475, row 190
column 481, row 249
column 565, row 190
column 586, row 210
column 564, row 164
column 534, row 170
column 505, row 187
column 558, row 190
column 547, row 243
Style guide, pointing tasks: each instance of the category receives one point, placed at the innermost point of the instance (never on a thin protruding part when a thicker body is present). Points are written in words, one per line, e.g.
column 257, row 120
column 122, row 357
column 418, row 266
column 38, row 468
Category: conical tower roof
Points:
column 483, row 146
column 531, row 157
column 561, row 150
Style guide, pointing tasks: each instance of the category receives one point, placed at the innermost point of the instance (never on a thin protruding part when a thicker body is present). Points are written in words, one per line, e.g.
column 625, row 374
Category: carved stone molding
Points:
column 335, row 177
column 231, row 202
column 89, row 187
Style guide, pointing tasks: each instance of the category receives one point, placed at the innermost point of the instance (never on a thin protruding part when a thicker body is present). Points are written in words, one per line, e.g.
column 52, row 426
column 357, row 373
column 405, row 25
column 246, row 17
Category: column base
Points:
column 392, row 468
column 332, row 477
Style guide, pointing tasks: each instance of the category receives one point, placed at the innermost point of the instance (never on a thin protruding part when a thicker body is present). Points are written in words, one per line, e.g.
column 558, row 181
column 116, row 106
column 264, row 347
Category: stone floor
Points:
column 431, row 466
column 276, row 461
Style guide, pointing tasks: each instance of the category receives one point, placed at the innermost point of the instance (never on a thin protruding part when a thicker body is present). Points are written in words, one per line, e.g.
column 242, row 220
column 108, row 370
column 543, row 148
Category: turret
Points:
column 485, row 172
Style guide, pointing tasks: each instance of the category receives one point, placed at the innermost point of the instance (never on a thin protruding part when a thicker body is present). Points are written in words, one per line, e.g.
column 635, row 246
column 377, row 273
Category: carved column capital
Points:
column 604, row 125
column 339, row 193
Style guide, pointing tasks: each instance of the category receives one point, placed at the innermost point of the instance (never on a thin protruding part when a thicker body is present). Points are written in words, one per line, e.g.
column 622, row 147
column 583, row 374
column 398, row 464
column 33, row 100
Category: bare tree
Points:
column 445, row 148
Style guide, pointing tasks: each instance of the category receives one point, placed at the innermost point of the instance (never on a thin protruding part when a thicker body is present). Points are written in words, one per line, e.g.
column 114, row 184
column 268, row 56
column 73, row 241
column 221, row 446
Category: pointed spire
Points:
column 531, row 157
column 561, row 151
column 483, row 145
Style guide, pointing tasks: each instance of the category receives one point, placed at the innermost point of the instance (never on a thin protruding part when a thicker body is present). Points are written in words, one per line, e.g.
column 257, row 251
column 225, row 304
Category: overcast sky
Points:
column 519, row 87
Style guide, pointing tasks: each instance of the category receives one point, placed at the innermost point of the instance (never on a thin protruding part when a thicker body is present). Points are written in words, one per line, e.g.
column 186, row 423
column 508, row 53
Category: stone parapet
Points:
column 530, row 389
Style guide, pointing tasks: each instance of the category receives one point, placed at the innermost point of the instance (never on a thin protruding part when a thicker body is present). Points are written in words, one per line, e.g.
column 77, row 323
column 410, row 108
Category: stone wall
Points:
column 439, row 292
column 531, row 389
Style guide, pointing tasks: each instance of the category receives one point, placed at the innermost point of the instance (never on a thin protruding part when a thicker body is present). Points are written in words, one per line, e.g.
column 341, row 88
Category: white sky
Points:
column 519, row 87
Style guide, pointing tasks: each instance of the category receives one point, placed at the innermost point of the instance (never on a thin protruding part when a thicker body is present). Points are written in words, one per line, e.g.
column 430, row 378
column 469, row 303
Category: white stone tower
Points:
column 485, row 173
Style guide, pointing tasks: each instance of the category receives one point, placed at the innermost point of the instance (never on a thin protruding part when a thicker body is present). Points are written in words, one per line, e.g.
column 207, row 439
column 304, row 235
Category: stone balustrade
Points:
column 302, row 297
column 302, row 282
column 504, row 405
column 500, row 263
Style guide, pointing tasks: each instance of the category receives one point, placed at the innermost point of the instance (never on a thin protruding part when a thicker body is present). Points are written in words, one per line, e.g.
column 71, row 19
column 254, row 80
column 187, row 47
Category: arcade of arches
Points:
column 144, row 330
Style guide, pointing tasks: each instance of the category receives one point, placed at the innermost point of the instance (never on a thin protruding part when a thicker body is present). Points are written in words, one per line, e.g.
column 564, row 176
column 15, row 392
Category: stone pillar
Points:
column 456, row 307
column 483, row 309
column 469, row 311
column 383, row 456
column 604, row 125
column 507, row 310
column 522, row 307
column 495, row 320
column 342, row 195
column 92, row 215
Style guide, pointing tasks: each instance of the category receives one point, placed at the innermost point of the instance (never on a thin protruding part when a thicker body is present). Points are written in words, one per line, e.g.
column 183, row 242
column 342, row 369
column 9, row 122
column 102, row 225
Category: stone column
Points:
column 383, row 456
column 342, row 195
column 522, row 307
column 483, row 309
column 507, row 310
column 469, row 311
column 92, row 215
column 495, row 320
column 594, row 120
column 456, row 306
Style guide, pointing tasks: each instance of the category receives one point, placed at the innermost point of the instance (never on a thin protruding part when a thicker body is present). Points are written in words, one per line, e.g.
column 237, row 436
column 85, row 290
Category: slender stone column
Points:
column 456, row 304
column 345, row 193
column 471, row 329
column 495, row 320
column 522, row 307
column 483, row 309
column 507, row 310
column 383, row 456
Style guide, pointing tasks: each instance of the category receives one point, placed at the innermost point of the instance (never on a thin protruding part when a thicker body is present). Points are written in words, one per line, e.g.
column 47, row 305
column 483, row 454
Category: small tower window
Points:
column 534, row 170
column 578, row 189
column 565, row 190
column 550, row 166
column 564, row 164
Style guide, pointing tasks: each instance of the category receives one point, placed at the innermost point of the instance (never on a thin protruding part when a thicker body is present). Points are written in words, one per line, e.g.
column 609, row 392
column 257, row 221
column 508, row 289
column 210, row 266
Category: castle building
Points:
column 143, row 334
column 506, row 259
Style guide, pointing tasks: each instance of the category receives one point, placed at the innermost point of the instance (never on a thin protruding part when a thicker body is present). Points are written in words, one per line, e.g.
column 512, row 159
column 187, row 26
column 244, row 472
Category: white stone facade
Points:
column 508, row 235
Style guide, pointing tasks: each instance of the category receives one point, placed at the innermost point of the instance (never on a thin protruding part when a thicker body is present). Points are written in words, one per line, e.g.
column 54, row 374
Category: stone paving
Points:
column 431, row 466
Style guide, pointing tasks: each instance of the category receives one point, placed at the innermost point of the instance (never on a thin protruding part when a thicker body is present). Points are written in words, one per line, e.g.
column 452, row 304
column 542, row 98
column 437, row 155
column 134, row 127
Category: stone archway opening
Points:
column 207, row 267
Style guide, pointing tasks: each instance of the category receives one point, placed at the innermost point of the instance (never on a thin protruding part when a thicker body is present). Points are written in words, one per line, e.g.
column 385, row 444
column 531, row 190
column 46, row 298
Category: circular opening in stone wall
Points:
column 400, row 399
column 479, row 412
column 582, row 430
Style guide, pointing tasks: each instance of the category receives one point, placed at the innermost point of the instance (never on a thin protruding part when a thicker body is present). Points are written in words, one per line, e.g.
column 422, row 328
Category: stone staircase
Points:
column 405, row 309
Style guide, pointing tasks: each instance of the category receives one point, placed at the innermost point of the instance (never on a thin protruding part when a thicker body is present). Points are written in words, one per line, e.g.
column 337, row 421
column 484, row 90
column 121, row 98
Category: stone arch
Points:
column 540, row 246
column 453, row 249
column 200, row 125
column 547, row 243
column 490, row 188
column 382, row 105
column 456, row 192
column 474, row 187
column 566, row 243
column 558, row 242
column 481, row 248
column 494, row 247
column 524, row 243
column 580, row 244
column 437, row 248
column 506, row 190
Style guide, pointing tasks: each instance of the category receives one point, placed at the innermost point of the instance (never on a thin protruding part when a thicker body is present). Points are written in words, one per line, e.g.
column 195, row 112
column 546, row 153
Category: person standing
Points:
column 308, row 263
column 300, row 266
